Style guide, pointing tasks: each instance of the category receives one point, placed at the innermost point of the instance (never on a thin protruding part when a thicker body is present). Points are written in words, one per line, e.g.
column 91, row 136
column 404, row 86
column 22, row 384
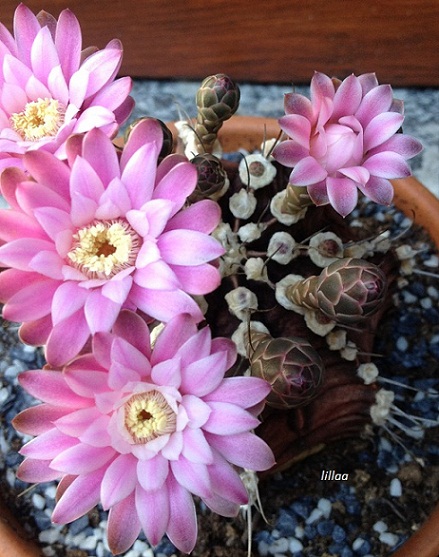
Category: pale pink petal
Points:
column 386, row 164
column 50, row 386
column 127, row 364
column 153, row 512
column 321, row 86
column 226, row 481
column 114, row 202
column 48, row 445
column 67, row 300
column 348, row 97
column 381, row 128
column 138, row 174
column 197, row 280
column 202, row 216
column 157, row 275
column 196, row 448
column 79, row 498
column 98, row 150
column 152, row 473
column 167, row 373
column 342, row 194
column 289, row 152
column 193, row 476
column 82, row 459
column 182, row 527
column 172, row 337
column 221, row 506
column 204, row 375
column 36, row 471
column 177, row 184
column 358, row 174
column 197, row 411
column 404, row 145
column 68, row 42
column 297, row 127
column 114, row 95
column 307, row 171
column 147, row 130
column 67, row 338
column 15, row 225
column 36, row 332
column 379, row 190
column 298, row 104
column 117, row 290
column 242, row 391
column 75, row 423
column 44, row 55
column 123, row 525
column 38, row 419
column 238, row 419
column 134, row 330
column 188, row 247
column 101, row 67
column 165, row 304
column 100, row 312
column 376, row 101
column 244, row 450
column 31, row 302
column 26, row 27
column 19, row 253
column 119, row 481
column 318, row 193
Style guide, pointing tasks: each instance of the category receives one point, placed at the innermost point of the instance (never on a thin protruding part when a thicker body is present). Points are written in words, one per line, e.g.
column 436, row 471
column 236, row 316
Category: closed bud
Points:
column 347, row 291
column 212, row 178
column 291, row 366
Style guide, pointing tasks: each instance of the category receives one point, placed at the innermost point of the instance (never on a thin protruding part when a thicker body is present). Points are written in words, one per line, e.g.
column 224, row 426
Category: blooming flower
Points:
column 141, row 429
column 343, row 139
column 90, row 237
column 49, row 89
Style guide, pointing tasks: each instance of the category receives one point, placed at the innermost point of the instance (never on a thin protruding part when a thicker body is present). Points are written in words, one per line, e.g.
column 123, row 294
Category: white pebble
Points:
column 433, row 261
column 50, row 492
column 433, row 292
column 426, row 303
column 315, row 515
column 389, row 539
column 48, row 551
column 295, row 545
column 143, row 548
column 279, row 546
column 38, row 501
column 299, row 532
column 49, row 536
column 409, row 298
column 4, row 395
column 263, row 548
column 89, row 543
column 100, row 550
column 402, row 344
column 132, row 553
column 10, row 477
column 395, row 488
column 380, row 526
column 325, row 506
column 357, row 543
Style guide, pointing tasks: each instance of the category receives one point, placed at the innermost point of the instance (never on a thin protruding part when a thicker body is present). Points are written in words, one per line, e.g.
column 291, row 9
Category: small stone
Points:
column 380, row 526
column 325, row 506
column 38, row 501
column 389, row 539
column 315, row 515
column 395, row 488
column 279, row 546
column 295, row 545
column 49, row 536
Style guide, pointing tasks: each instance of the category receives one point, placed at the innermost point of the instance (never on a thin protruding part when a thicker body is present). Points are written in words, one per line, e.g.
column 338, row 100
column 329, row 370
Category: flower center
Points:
column 148, row 416
column 39, row 119
column 103, row 249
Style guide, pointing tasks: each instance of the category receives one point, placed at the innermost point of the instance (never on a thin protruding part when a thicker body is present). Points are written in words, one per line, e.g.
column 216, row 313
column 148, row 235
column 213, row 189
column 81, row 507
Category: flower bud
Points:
column 291, row 366
column 347, row 291
column 212, row 178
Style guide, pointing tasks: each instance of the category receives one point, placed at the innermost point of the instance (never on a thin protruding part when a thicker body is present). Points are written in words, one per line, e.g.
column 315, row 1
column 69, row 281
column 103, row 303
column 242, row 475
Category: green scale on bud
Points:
column 217, row 100
column 291, row 366
column 347, row 291
column 212, row 178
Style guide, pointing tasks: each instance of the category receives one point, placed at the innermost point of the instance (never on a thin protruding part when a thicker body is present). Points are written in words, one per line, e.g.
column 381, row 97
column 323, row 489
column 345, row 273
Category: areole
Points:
column 412, row 198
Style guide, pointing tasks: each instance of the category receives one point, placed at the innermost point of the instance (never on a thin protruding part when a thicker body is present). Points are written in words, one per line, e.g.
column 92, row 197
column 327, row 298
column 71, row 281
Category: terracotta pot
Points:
column 412, row 198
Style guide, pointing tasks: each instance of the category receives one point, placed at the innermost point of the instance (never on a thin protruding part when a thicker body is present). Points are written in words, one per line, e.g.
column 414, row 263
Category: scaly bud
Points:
column 212, row 178
column 296, row 199
column 217, row 100
column 347, row 291
column 291, row 366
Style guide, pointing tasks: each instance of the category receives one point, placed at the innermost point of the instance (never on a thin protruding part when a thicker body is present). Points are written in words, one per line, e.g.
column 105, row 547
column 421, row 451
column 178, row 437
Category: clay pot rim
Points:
column 412, row 198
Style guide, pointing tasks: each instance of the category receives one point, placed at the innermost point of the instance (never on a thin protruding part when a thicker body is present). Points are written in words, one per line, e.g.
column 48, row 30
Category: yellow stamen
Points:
column 148, row 416
column 39, row 119
column 103, row 249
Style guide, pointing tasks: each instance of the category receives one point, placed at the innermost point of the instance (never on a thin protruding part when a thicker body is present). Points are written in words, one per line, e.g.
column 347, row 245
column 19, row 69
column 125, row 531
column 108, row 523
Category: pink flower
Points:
column 50, row 89
column 343, row 139
column 140, row 430
column 88, row 238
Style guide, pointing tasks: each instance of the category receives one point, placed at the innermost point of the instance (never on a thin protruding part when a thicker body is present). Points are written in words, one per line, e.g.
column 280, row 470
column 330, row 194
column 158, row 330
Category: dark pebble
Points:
column 346, row 552
column 301, row 509
column 364, row 549
column 338, row 534
column 42, row 520
column 417, row 288
column 165, row 547
column 325, row 527
column 12, row 458
column 336, row 548
column 286, row 523
column 79, row 525
column 310, row 531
